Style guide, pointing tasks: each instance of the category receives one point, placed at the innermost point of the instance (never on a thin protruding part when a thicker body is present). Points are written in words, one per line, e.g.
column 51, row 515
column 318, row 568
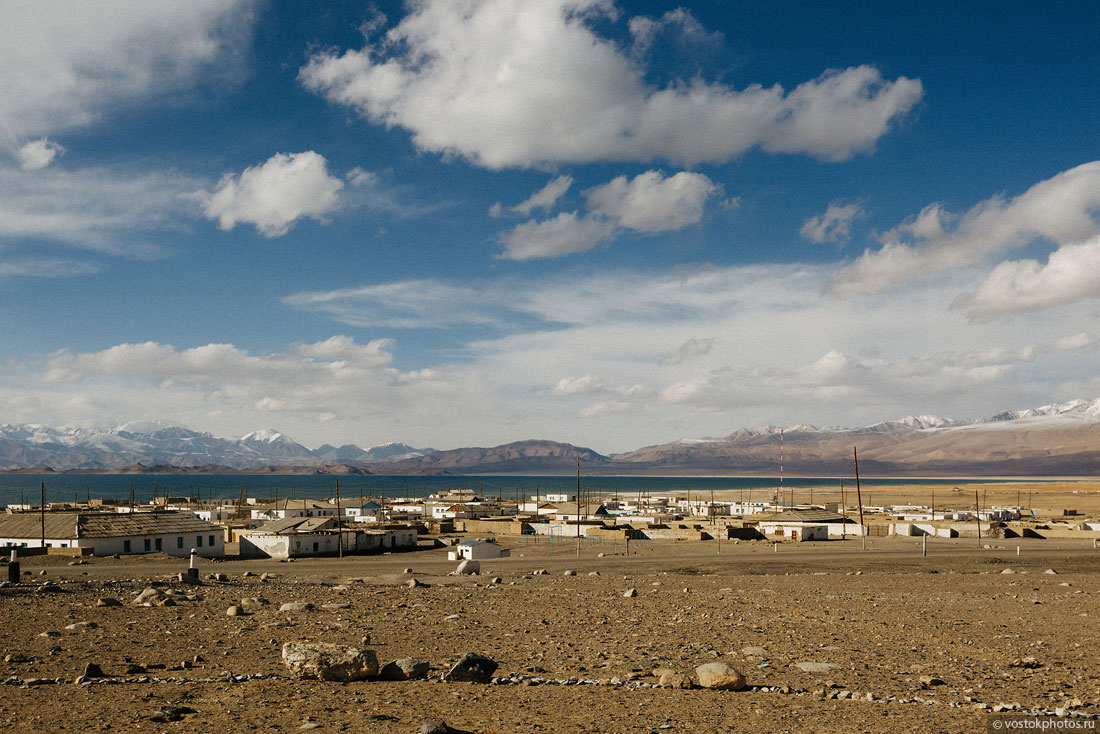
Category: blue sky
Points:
column 465, row 223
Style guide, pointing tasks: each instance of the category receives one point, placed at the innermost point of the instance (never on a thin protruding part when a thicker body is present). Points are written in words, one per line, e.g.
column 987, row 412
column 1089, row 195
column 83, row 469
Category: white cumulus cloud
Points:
column 274, row 195
column 1071, row 273
column 68, row 62
column 38, row 154
column 545, row 198
column 1061, row 209
column 650, row 202
column 565, row 234
column 509, row 83
column 835, row 225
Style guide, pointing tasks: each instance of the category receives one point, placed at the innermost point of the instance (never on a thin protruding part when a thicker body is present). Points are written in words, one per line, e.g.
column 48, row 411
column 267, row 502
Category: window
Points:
column 125, row 546
column 159, row 545
column 315, row 547
column 198, row 541
column 148, row 545
column 211, row 543
column 179, row 542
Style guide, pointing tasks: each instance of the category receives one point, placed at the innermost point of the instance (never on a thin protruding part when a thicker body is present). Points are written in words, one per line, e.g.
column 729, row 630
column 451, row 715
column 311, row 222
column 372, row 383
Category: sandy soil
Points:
column 885, row 616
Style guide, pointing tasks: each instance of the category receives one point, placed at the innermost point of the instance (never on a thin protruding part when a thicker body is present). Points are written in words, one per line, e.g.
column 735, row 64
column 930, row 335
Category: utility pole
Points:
column 578, row 498
column 843, row 510
column 978, row 517
column 42, row 512
column 339, row 524
column 859, row 498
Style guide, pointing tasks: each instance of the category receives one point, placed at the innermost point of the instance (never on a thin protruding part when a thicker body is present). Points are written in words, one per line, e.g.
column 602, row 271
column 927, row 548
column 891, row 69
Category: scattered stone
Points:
column 149, row 595
column 472, row 668
column 570, row 572
column 49, row 633
column 439, row 727
column 404, row 669
column 247, row 575
column 672, row 679
column 171, row 713
column 540, row 572
column 810, row 667
column 106, row 601
column 268, row 577
column 593, row 573
column 468, row 568
column 415, row 583
column 496, row 580
column 931, row 680
column 296, row 606
column 1008, row 571
column 1051, row 572
column 135, row 669
column 234, row 611
column 630, row 593
column 721, row 676
column 81, row 626
column 753, row 651
column 325, row 661
column 407, row 570
column 253, row 602
column 16, row 657
column 92, row 670
column 1029, row 662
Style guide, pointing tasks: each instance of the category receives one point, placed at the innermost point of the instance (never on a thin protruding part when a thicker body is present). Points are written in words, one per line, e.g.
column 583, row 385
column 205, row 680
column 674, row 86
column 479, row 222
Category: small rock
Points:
column 404, row 669
column 753, row 651
column 415, row 583
column 720, row 676
column 1051, row 572
column 252, row 602
column 81, row 626
column 107, row 601
column 92, row 670
column 630, row 593
column 570, row 572
column 672, row 679
column 407, row 570
column 296, row 606
column 247, row 574
column 496, row 580
column 468, row 568
column 593, row 573
column 931, row 680
column 438, row 727
column 810, row 667
column 472, row 668
column 234, row 611
column 325, row 661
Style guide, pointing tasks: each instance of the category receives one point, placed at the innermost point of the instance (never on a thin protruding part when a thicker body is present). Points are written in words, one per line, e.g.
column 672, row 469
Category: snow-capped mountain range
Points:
column 1061, row 438
column 79, row 448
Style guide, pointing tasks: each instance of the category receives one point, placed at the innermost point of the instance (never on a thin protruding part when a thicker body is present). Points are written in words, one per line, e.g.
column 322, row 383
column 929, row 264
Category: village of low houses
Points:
column 476, row 526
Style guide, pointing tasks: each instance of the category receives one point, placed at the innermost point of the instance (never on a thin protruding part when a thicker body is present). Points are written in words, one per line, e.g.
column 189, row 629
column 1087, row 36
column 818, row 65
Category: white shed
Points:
column 477, row 550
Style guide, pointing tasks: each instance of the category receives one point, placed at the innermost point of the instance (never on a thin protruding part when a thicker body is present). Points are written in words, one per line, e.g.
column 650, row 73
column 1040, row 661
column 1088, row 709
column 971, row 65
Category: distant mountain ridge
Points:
column 69, row 448
column 1055, row 439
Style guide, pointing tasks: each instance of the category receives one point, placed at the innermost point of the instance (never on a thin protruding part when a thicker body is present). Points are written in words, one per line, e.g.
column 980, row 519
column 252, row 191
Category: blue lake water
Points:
column 67, row 487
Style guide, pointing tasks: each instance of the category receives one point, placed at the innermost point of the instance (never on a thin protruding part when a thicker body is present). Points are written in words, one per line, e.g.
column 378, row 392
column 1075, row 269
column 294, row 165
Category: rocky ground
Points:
column 935, row 643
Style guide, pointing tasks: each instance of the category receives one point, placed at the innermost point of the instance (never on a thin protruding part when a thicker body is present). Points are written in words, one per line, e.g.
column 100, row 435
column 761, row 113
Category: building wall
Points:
column 169, row 543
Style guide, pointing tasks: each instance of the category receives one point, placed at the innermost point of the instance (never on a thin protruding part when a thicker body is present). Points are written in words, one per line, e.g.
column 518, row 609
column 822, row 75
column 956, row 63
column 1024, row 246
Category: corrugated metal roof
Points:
column 72, row 525
column 801, row 515
column 289, row 525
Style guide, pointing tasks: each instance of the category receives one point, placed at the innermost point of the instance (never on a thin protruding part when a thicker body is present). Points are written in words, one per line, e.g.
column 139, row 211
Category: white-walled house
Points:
column 477, row 550
column 108, row 533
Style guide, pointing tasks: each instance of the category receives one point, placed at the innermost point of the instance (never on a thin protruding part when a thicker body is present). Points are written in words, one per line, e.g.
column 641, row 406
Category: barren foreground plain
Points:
column 881, row 618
